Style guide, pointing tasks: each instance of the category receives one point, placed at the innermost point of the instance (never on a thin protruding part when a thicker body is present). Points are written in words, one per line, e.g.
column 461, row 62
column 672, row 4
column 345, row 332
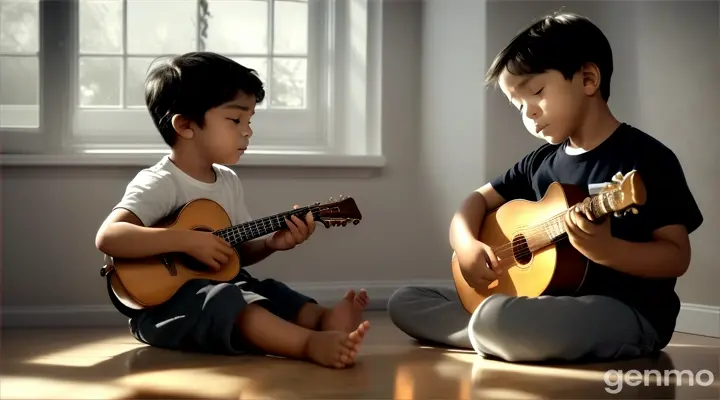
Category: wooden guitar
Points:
column 148, row 282
column 530, row 240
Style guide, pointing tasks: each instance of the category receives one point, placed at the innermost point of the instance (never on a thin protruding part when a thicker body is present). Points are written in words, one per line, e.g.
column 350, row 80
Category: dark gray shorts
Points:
column 201, row 316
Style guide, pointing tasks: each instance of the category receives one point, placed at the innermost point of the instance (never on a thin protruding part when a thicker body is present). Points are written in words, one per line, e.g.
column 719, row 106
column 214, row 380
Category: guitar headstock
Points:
column 337, row 213
column 624, row 193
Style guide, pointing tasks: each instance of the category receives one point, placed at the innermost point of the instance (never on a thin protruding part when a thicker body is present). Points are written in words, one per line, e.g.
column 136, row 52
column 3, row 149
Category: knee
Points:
column 398, row 302
column 495, row 330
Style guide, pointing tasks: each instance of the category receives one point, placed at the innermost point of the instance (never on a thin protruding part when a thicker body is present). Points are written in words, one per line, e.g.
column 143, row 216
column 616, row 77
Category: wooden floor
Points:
column 110, row 364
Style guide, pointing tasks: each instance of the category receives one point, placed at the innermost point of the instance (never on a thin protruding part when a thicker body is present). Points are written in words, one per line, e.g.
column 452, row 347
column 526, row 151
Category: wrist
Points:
column 267, row 245
column 614, row 249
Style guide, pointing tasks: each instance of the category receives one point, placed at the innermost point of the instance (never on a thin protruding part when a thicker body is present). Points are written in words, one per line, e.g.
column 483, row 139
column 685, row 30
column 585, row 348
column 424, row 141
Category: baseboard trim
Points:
column 699, row 319
column 696, row 319
column 105, row 315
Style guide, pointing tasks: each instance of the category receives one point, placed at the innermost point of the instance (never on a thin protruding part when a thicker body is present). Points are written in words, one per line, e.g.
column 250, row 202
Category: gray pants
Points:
column 521, row 329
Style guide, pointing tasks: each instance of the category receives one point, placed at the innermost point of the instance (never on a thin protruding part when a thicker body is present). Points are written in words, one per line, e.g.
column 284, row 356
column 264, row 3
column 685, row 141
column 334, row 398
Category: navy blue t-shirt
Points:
column 669, row 201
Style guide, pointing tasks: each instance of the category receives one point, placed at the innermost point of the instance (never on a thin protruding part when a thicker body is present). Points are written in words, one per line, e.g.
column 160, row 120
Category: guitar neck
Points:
column 260, row 227
column 598, row 205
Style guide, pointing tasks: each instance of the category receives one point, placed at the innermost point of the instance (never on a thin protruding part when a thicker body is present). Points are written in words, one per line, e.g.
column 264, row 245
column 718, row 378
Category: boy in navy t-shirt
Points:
column 557, row 74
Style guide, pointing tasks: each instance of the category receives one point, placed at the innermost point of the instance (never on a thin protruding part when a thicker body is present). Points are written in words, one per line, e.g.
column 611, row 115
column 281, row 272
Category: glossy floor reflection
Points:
column 110, row 364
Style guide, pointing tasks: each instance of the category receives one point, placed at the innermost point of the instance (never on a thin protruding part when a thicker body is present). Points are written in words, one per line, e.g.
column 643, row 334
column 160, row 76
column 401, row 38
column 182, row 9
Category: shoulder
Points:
column 228, row 177
column 151, row 194
column 647, row 148
column 533, row 160
column 669, row 197
column 156, row 178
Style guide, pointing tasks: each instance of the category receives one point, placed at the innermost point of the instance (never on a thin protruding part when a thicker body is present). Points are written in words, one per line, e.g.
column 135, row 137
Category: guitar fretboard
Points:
column 260, row 227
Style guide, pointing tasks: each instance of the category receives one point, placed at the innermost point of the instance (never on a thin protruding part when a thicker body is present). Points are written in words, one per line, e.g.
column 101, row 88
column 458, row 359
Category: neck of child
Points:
column 597, row 125
column 192, row 163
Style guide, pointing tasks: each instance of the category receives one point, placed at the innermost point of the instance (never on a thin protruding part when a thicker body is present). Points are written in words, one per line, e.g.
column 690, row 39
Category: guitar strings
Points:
column 534, row 232
column 256, row 226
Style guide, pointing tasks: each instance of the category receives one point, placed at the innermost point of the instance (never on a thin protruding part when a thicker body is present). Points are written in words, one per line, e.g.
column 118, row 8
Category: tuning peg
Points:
column 617, row 214
column 331, row 199
column 618, row 177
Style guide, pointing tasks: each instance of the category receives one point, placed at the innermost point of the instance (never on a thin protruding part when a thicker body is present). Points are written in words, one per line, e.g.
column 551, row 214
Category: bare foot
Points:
column 347, row 313
column 335, row 349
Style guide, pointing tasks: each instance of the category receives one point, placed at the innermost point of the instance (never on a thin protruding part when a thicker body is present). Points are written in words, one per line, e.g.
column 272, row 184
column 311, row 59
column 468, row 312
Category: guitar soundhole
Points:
column 521, row 250
column 193, row 264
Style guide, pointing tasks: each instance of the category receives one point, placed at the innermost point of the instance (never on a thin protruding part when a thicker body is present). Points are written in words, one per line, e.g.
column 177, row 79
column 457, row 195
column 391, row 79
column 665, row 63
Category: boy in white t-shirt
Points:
column 202, row 104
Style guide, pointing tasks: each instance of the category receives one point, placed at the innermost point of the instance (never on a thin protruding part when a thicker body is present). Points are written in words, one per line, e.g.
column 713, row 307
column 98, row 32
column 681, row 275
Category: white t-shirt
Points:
column 162, row 189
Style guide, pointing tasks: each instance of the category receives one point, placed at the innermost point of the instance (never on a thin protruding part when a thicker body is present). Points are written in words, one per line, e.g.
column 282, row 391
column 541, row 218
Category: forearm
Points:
column 656, row 259
column 126, row 240
column 465, row 225
column 253, row 252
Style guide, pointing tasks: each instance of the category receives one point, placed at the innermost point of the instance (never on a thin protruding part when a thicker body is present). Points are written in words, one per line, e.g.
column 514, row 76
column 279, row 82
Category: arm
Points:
column 466, row 223
column 123, row 235
column 254, row 251
column 667, row 256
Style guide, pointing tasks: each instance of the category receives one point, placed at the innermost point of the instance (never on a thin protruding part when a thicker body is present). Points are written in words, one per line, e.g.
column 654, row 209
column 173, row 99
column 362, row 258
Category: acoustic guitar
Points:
column 148, row 282
column 530, row 241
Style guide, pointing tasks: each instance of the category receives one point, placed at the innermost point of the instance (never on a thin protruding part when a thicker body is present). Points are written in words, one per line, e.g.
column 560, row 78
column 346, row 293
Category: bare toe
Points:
column 362, row 299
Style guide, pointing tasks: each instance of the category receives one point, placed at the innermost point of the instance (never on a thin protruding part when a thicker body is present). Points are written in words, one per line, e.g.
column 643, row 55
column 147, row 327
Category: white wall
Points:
column 444, row 135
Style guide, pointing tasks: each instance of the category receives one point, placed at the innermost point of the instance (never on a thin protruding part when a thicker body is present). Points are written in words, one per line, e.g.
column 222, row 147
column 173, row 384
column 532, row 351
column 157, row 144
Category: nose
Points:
column 532, row 111
column 247, row 132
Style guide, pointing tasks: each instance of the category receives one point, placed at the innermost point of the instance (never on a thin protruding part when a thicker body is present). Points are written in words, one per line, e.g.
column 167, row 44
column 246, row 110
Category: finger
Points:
column 302, row 227
column 213, row 264
column 294, row 232
column 588, row 214
column 582, row 222
column 310, row 223
column 492, row 260
column 221, row 257
column 227, row 250
column 571, row 227
column 222, row 241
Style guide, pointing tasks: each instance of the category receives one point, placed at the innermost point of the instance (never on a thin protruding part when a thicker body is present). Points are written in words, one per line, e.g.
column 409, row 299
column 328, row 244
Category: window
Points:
column 72, row 73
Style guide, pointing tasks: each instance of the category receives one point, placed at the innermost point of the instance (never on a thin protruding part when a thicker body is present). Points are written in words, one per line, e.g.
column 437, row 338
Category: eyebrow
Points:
column 237, row 106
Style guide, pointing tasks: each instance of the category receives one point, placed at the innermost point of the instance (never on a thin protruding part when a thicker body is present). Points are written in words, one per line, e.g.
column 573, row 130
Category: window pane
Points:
column 290, row 28
column 289, row 83
column 237, row 27
column 260, row 65
column 101, row 26
column 100, row 81
column 158, row 27
column 19, row 81
column 19, row 30
column 137, row 70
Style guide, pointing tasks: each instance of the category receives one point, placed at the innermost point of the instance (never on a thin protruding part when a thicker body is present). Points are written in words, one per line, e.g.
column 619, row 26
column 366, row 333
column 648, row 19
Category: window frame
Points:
column 340, row 130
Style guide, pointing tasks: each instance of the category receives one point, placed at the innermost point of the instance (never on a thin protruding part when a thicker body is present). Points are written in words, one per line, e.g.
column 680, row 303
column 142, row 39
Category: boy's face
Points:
column 550, row 105
column 226, row 132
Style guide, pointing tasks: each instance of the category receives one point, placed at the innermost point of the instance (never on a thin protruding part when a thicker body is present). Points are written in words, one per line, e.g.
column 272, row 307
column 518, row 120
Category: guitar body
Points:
column 556, row 269
column 148, row 282
column 142, row 283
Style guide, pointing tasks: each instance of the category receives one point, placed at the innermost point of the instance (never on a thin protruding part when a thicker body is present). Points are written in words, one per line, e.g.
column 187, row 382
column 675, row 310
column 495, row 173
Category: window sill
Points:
column 251, row 159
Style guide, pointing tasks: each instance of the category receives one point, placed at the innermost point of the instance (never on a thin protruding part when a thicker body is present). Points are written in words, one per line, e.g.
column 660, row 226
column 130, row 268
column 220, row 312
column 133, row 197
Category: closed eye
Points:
column 538, row 92
column 237, row 121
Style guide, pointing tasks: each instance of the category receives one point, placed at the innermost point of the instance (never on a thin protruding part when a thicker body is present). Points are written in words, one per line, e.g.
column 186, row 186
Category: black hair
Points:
column 193, row 83
column 564, row 42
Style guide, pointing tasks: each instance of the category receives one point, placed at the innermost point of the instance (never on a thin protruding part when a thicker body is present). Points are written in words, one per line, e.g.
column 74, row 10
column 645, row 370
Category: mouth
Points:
column 539, row 128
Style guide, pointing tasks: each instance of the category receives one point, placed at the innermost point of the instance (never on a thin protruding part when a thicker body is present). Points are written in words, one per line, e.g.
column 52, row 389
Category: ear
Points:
column 182, row 126
column 590, row 79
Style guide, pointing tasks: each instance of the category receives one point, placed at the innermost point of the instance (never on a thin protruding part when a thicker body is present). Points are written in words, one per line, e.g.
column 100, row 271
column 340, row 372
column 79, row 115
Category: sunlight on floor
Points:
column 21, row 387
